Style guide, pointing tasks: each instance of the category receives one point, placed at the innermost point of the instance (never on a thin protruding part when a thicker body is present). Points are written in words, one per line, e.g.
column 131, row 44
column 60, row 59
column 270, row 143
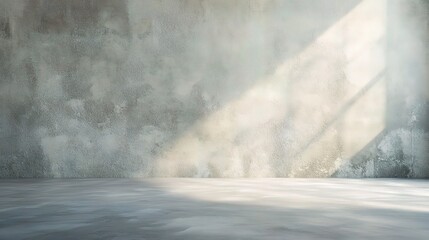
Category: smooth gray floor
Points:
column 214, row 209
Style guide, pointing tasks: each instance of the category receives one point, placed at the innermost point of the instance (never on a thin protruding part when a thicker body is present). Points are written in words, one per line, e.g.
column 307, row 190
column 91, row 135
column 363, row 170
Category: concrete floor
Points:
column 214, row 209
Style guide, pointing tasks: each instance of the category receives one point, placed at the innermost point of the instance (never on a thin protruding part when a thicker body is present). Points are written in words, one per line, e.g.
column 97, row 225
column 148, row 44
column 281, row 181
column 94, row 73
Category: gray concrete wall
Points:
column 214, row 88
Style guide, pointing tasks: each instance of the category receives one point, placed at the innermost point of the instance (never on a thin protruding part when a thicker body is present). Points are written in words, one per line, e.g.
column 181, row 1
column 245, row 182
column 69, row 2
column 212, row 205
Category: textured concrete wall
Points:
column 109, row 88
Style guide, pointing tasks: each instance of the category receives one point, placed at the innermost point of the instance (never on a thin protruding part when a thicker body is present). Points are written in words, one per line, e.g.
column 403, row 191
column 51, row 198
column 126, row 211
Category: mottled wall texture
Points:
column 204, row 88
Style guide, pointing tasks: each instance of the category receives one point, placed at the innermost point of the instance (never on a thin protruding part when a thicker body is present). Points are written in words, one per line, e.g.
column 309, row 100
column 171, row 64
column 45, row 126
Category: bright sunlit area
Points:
column 214, row 119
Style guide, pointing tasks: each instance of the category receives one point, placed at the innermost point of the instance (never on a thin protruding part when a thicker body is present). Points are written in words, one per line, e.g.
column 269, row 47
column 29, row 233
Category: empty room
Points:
column 214, row 119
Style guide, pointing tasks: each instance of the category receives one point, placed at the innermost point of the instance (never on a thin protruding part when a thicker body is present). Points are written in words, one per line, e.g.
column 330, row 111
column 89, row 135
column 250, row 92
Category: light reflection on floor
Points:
column 214, row 209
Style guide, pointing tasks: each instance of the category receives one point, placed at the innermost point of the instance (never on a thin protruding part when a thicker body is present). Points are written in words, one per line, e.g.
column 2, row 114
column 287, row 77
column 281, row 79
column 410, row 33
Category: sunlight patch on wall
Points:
column 312, row 114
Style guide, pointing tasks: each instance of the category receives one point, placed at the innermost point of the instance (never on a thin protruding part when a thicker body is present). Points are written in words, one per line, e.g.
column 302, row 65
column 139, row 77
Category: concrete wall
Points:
column 196, row 88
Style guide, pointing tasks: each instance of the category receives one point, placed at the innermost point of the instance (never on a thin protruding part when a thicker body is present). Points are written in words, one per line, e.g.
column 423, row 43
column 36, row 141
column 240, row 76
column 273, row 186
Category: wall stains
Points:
column 196, row 88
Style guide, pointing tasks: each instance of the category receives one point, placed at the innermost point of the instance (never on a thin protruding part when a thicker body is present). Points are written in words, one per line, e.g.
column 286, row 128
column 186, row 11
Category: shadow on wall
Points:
column 324, row 112
column 401, row 149
column 110, row 86
column 203, row 88
column 49, row 54
column 310, row 116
